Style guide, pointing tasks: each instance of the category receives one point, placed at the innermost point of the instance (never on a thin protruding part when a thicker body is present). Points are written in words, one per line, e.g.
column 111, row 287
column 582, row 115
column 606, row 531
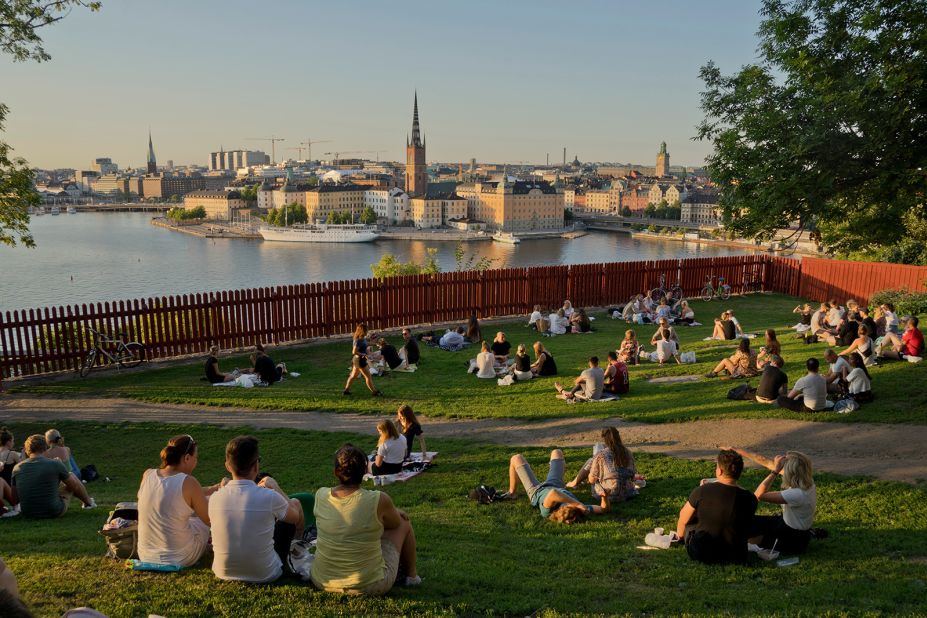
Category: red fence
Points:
column 54, row 339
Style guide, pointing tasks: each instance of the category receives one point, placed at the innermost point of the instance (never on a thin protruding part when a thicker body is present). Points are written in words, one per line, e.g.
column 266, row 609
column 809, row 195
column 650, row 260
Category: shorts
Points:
column 390, row 571
column 554, row 477
column 359, row 361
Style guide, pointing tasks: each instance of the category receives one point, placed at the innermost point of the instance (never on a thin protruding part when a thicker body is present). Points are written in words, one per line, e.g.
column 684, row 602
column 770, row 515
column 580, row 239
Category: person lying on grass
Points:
column 715, row 521
column 791, row 530
column 610, row 470
column 551, row 497
column 364, row 541
column 588, row 386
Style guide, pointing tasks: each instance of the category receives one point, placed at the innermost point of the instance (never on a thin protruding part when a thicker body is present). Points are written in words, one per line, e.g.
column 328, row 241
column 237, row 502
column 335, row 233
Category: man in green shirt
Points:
column 42, row 486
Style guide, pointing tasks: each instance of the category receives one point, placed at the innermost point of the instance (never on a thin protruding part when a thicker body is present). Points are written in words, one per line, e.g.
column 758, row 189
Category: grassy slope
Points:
column 500, row 559
column 441, row 387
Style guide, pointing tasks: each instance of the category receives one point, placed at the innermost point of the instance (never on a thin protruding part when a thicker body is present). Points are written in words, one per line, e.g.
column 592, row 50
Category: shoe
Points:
column 310, row 534
column 92, row 505
column 377, row 393
column 412, row 581
column 819, row 533
column 346, row 392
column 13, row 512
column 711, row 375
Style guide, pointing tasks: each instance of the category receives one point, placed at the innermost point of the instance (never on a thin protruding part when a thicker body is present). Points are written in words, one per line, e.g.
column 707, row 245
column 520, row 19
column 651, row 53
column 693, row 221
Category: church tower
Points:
column 663, row 163
column 152, row 163
column 416, row 174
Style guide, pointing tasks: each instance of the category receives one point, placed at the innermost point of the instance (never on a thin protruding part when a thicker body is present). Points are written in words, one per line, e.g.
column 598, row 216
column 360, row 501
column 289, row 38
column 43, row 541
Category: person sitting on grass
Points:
column 409, row 352
column 805, row 312
column 252, row 523
column 863, row 344
column 390, row 355
column 535, row 316
column 57, row 450
column 8, row 457
column 890, row 318
column 588, row 386
column 835, row 314
column 809, row 394
column 551, row 497
column 685, row 314
column 629, row 349
column 410, row 427
column 364, row 541
column 544, row 363
column 473, row 332
column 173, row 514
column 663, row 310
column 838, row 370
column 43, row 486
column 663, row 324
column 911, row 343
column 847, row 331
column 858, row 380
column 522, row 365
column 213, row 374
column 820, row 328
column 264, row 366
column 568, row 309
column 773, row 381
column 617, row 377
column 634, row 307
column 579, row 321
column 791, row 530
column 484, row 365
column 738, row 329
column 453, row 339
column 741, row 364
column 666, row 347
column 501, row 349
column 715, row 521
column 724, row 329
column 772, row 347
column 866, row 318
column 359, row 363
column 391, row 449
column 558, row 323
column 610, row 470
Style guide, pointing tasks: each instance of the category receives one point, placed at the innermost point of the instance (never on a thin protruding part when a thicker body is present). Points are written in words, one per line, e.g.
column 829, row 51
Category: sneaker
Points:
column 412, row 581
column 711, row 374
column 92, row 505
column 346, row 392
column 13, row 512
column 377, row 393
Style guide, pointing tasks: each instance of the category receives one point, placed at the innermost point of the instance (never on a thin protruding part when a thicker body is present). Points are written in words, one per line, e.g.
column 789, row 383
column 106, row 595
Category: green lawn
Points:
column 441, row 388
column 497, row 559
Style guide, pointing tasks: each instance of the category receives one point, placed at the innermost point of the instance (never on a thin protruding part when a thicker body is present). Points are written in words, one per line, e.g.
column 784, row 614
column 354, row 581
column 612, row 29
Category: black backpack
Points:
column 484, row 494
column 741, row 393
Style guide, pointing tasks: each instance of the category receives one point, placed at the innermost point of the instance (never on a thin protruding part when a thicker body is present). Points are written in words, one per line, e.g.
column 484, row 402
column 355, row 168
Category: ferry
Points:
column 506, row 237
column 320, row 232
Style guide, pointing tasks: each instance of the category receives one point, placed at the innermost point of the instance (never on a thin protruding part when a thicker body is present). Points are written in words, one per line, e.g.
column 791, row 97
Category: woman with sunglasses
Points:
column 173, row 518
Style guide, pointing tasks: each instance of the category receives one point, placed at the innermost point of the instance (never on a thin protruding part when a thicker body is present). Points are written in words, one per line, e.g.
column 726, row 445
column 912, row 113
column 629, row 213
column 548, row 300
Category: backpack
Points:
column 845, row 406
column 122, row 535
column 89, row 473
column 742, row 392
column 484, row 494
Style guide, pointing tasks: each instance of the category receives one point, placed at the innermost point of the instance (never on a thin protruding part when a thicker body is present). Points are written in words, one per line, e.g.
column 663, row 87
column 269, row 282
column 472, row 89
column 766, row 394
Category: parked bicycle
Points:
column 122, row 353
column 674, row 293
column 722, row 291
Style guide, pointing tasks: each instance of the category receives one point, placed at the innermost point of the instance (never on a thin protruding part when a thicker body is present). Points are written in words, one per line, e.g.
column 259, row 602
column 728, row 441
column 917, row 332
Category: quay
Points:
column 204, row 229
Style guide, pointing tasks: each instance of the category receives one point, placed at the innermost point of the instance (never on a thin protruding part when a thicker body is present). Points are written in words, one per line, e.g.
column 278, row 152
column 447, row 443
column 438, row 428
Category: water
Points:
column 92, row 257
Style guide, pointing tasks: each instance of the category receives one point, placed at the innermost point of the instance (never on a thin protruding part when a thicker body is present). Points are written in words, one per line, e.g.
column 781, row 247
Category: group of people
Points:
column 262, row 366
column 562, row 321
column 643, row 309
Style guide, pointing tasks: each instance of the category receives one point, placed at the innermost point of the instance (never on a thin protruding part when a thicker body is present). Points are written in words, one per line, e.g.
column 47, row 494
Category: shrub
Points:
column 906, row 302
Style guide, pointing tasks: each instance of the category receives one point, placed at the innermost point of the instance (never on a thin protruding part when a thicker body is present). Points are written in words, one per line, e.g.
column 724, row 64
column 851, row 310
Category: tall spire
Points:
column 416, row 135
column 152, row 162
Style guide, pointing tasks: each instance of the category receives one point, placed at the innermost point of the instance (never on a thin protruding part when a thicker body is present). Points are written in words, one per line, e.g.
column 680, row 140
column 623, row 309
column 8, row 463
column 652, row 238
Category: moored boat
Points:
column 320, row 232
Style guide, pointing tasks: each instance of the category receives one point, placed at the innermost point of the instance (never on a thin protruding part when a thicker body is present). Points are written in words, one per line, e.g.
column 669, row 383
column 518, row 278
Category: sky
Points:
column 508, row 81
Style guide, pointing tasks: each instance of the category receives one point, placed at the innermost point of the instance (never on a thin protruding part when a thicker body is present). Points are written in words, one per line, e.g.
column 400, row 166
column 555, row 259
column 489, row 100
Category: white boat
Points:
column 55, row 210
column 72, row 210
column 506, row 237
column 320, row 232
column 39, row 211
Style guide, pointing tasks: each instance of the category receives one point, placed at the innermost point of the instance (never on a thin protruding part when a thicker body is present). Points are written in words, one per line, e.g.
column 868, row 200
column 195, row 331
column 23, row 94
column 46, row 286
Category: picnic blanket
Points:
column 245, row 380
column 413, row 467
column 605, row 397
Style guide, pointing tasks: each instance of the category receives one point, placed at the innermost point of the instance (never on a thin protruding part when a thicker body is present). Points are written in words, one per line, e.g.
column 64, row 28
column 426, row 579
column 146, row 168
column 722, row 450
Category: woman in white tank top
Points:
column 173, row 518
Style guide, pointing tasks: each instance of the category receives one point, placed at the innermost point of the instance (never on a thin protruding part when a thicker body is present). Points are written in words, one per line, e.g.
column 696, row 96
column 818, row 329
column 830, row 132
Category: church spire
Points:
column 152, row 162
column 416, row 135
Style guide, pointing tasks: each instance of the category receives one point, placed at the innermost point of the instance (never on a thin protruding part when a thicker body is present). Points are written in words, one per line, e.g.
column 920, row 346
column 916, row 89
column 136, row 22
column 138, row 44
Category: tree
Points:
column 650, row 211
column 567, row 215
column 368, row 216
column 19, row 22
column 390, row 266
column 469, row 262
column 626, row 211
column 827, row 128
column 287, row 215
column 249, row 193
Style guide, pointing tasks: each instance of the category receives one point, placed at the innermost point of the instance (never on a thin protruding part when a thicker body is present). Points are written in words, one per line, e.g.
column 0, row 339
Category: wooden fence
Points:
column 56, row 339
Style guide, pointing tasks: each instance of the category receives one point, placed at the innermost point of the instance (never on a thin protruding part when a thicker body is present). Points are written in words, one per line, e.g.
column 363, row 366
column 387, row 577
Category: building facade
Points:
column 104, row 166
column 390, row 205
column 218, row 204
column 231, row 160
column 165, row 187
column 416, row 170
column 701, row 206
column 663, row 162
column 514, row 206
column 603, row 201
column 330, row 198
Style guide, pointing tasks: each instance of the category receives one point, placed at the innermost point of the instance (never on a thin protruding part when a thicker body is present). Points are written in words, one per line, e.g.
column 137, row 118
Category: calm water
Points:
column 121, row 256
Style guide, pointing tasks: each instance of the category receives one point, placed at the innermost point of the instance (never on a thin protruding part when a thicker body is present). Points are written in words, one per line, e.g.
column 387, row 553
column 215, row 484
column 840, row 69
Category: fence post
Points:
column 277, row 327
column 213, row 322
column 327, row 309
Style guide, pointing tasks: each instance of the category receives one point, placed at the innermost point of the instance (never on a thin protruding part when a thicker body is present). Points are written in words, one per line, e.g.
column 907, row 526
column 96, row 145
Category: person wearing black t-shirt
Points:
column 501, row 348
column 773, row 381
column 544, row 364
column 715, row 521
column 847, row 332
column 390, row 355
column 212, row 368
column 264, row 366
column 411, row 428
column 409, row 350
column 725, row 328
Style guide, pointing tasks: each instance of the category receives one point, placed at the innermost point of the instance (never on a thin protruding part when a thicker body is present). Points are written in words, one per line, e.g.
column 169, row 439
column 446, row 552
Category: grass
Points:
column 498, row 559
column 441, row 388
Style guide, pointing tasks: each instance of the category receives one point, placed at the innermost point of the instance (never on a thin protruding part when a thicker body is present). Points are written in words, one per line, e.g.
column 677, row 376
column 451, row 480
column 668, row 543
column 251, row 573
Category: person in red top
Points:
column 911, row 343
column 617, row 379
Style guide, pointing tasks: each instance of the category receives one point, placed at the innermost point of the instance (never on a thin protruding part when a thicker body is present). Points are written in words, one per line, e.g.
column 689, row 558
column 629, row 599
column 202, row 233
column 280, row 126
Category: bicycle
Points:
column 126, row 354
column 659, row 293
column 723, row 291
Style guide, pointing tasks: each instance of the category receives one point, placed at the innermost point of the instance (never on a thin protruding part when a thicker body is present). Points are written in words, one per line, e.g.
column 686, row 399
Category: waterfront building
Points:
column 569, row 198
column 113, row 184
column 635, row 198
column 218, row 204
column 416, row 173
column 663, row 161
column 83, row 179
column 518, row 206
column 603, row 200
column 164, row 187
column 437, row 209
column 232, row 160
column 701, row 206
column 672, row 193
column 391, row 205
column 328, row 198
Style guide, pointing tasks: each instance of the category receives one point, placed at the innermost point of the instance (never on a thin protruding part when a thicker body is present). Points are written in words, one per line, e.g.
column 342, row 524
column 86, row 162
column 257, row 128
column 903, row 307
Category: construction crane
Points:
column 273, row 139
column 299, row 151
column 309, row 142
column 339, row 153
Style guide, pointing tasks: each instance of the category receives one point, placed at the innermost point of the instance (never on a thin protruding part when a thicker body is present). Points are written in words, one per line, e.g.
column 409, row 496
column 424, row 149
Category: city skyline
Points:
column 607, row 83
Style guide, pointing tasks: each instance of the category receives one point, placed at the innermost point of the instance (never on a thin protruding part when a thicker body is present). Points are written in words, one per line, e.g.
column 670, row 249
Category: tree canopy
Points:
column 825, row 130
column 391, row 266
column 287, row 215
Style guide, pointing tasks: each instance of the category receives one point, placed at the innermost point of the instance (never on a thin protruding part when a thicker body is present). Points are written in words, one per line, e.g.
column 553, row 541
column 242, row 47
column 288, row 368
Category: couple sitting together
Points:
column 363, row 539
column 262, row 366
column 594, row 382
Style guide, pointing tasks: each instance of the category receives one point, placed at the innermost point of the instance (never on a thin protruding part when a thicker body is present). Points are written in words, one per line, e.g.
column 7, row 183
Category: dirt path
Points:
column 892, row 452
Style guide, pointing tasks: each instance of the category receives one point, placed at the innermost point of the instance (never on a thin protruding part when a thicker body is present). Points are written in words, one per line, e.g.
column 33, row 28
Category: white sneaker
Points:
column 13, row 512
column 413, row 581
column 92, row 505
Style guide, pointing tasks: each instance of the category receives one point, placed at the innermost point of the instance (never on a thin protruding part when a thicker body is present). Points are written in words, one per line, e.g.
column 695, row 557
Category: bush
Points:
column 182, row 214
column 906, row 302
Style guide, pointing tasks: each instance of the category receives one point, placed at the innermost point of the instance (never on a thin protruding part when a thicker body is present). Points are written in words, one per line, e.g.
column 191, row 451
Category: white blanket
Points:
column 406, row 474
column 246, row 380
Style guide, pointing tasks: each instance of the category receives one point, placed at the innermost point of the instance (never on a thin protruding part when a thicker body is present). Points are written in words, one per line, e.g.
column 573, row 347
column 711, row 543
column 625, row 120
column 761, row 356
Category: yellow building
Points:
column 218, row 204
column 603, row 201
column 520, row 206
column 437, row 210
column 328, row 198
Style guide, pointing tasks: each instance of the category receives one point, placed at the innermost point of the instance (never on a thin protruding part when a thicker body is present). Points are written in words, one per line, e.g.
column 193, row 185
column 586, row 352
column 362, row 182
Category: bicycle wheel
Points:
column 88, row 363
column 725, row 292
column 657, row 294
column 707, row 293
column 676, row 294
column 133, row 355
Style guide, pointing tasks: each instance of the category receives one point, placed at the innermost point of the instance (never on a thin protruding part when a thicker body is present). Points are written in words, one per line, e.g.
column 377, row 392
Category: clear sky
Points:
column 503, row 80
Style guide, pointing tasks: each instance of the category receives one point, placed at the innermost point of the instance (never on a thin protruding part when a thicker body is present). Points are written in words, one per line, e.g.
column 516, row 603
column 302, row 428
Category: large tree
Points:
column 827, row 128
column 20, row 21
